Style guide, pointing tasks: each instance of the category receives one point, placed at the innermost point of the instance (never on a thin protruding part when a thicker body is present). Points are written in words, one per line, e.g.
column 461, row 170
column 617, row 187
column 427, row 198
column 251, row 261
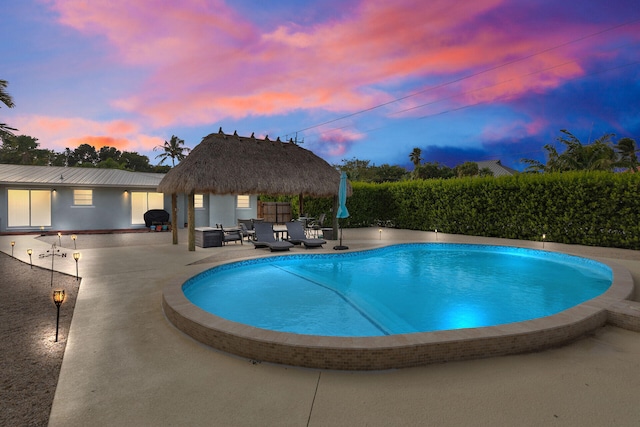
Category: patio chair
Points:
column 297, row 236
column 266, row 239
column 250, row 234
column 231, row 235
column 316, row 224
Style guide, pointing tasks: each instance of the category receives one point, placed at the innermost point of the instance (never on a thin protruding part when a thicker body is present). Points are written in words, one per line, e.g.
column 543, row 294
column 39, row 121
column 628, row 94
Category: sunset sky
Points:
column 463, row 81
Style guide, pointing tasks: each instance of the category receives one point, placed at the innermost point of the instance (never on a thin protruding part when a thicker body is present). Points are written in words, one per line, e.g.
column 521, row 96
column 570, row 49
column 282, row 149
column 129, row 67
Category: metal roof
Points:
column 496, row 167
column 76, row 176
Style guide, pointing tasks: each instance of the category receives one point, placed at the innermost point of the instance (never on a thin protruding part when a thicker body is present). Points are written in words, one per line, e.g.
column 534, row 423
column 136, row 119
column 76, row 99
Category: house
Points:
column 496, row 167
column 50, row 198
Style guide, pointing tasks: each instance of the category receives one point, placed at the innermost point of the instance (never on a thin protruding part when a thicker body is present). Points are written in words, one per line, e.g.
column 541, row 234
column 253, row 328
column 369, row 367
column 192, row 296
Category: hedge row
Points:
column 595, row 208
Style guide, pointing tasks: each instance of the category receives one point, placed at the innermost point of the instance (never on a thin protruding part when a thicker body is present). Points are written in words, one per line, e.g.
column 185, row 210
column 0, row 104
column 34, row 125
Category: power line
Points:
column 468, row 76
column 463, row 107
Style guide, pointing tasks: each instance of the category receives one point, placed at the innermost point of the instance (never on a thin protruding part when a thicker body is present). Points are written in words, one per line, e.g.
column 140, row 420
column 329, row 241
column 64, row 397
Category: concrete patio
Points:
column 126, row 365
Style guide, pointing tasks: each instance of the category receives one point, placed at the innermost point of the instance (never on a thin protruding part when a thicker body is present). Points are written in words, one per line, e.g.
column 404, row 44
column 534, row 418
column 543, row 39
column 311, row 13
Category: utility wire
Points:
column 468, row 76
column 462, row 107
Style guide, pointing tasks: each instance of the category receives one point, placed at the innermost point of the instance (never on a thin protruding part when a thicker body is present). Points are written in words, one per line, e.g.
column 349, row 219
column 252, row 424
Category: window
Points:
column 198, row 201
column 29, row 208
column 243, row 202
column 82, row 197
column 141, row 202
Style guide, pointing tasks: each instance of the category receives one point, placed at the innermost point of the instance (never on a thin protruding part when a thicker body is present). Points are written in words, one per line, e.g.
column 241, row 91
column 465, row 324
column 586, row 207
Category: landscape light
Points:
column 74, row 237
column 59, row 238
column 29, row 252
column 58, row 299
column 380, row 231
column 76, row 256
column 436, row 234
column 544, row 236
column 12, row 245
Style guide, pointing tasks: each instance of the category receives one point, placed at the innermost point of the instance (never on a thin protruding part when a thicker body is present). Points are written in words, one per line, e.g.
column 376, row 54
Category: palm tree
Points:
column 173, row 149
column 599, row 155
column 6, row 99
column 415, row 157
column 627, row 150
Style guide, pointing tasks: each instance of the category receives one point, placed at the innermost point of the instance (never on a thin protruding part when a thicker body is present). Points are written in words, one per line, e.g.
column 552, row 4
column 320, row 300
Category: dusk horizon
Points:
column 495, row 80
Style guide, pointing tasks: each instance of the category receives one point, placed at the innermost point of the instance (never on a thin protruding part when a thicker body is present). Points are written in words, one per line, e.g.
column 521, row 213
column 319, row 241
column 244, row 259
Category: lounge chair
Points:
column 266, row 239
column 297, row 236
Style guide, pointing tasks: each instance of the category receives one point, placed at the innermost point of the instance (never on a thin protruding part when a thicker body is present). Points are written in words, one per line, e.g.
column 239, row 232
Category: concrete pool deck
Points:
column 125, row 364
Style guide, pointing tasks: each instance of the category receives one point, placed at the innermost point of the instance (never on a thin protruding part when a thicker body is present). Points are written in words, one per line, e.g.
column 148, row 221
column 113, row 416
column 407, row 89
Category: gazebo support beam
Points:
column 174, row 217
column 191, row 222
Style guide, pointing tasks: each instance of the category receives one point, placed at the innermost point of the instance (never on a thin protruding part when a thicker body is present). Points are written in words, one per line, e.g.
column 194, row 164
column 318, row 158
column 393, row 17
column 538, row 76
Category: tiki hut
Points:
column 231, row 164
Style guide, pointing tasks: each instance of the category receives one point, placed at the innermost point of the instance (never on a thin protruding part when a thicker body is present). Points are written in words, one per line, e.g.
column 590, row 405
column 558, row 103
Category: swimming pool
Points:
column 398, row 289
column 384, row 329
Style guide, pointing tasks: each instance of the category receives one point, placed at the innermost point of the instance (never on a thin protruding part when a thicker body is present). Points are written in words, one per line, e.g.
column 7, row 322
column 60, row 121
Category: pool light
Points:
column 58, row 299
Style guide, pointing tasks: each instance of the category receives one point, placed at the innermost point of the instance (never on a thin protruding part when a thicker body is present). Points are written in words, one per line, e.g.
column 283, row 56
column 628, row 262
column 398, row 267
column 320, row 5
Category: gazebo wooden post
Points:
column 191, row 222
column 174, row 217
column 300, row 204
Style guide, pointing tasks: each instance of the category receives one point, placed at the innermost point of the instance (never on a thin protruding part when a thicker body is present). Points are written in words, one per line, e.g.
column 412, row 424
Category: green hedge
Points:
column 594, row 208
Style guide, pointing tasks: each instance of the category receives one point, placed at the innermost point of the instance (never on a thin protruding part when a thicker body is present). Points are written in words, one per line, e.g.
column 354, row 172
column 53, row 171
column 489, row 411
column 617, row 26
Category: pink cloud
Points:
column 518, row 129
column 336, row 143
column 58, row 133
column 205, row 62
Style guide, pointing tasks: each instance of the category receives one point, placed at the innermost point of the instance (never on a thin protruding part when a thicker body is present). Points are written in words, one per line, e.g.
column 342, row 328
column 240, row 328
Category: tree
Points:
column 106, row 153
column 135, row 162
column 388, row 173
column 86, row 155
column 173, row 149
column 356, row 169
column 628, row 158
column 467, row 169
column 415, row 157
column 6, row 99
column 600, row 155
column 432, row 171
column 20, row 150
column 485, row 172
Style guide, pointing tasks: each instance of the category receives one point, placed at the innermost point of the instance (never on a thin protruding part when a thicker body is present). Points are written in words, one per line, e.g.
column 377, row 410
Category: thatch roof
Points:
column 231, row 164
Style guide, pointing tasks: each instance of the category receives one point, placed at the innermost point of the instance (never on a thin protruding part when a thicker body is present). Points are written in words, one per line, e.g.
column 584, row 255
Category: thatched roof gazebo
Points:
column 231, row 164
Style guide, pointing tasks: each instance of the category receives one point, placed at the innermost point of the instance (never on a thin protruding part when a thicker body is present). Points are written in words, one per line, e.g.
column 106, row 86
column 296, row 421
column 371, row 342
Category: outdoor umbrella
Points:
column 342, row 206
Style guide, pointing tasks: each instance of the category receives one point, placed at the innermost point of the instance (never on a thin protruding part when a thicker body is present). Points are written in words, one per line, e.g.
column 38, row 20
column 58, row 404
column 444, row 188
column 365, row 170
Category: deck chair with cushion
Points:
column 265, row 238
column 295, row 230
column 230, row 235
column 249, row 234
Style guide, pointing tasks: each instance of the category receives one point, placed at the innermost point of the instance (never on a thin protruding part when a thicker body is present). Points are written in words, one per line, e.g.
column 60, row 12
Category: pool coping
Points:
column 402, row 350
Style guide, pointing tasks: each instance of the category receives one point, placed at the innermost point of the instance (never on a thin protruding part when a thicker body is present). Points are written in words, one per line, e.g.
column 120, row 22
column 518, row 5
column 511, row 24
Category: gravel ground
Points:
column 30, row 356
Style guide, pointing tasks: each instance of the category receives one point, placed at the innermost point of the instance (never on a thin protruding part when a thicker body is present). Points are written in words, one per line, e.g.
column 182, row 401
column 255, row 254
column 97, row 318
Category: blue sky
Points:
column 495, row 79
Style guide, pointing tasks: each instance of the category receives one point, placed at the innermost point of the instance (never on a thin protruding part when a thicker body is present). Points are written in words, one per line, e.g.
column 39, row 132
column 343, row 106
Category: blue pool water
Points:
column 398, row 289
